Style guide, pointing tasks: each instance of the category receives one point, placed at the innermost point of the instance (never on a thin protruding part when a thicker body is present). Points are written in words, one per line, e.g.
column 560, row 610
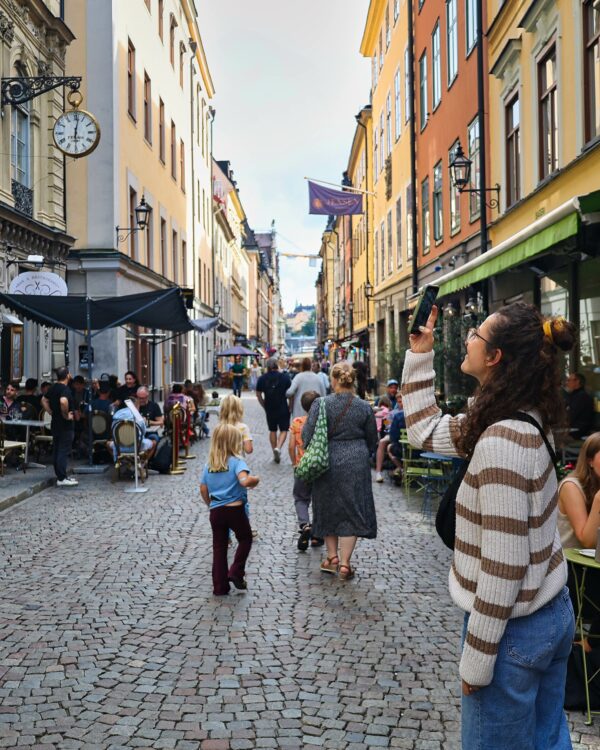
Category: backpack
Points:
column 162, row 460
column 445, row 519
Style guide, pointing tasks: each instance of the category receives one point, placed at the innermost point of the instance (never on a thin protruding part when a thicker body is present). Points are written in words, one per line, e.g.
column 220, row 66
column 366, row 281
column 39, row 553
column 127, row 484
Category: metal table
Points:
column 435, row 483
column 27, row 424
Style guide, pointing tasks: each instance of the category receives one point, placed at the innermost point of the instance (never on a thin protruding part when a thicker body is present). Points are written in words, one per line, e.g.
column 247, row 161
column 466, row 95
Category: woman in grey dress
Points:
column 343, row 507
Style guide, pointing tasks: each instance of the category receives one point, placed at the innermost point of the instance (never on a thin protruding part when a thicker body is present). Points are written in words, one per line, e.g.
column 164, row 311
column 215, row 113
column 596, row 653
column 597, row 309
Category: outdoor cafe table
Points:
column 580, row 565
column 435, row 484
column 27, row 424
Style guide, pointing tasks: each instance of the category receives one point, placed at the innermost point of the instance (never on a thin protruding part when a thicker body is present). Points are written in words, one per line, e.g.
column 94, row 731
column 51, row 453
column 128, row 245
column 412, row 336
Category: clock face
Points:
column 76, row 133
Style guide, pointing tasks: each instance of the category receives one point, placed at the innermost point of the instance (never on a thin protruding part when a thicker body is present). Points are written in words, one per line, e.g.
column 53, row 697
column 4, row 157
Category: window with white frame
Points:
column 436, row 64
column 20, row 144
column 376, row 246
column 425, row 231
column 375, row 154
column 397, row 105
column 407, row 92
column 473, row 132
column 454, row 196
column 548, row 113
column 399, row 231
column 512, row 121
column 381, row 142
column 423, row 109
column 388, row 123
column 390, row 243
column 438, row 203
column 396, row 10
column 471, row 24
column 451, row 39
column 381, row 50
column 388, row 30
column 408, row 207
column 591, row 40
column 382, row 250
column 375, row 71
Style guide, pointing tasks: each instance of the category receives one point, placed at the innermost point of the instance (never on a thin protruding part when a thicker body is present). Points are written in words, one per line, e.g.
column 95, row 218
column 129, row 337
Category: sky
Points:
column 289, row 79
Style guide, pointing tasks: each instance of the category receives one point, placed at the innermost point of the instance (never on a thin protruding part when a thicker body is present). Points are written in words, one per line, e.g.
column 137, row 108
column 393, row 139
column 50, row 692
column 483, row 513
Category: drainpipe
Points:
column 413, row 147
column 212, row 112
column 481, row 124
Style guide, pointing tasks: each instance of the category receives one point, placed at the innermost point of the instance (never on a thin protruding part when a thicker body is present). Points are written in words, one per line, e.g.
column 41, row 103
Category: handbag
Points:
column 445, row 519
column 315, row 460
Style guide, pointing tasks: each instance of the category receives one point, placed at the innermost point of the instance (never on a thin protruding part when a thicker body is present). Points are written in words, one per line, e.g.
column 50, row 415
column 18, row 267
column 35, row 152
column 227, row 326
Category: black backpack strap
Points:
column 523, row 417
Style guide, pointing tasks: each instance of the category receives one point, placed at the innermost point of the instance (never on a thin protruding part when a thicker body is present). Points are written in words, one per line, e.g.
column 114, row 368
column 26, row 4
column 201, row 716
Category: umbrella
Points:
column 236, row 351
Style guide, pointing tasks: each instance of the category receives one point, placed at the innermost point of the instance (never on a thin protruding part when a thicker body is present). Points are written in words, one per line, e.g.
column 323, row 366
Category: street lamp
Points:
column 217, row 309
column 460, row 175
column 142, row 217
column 368, row 290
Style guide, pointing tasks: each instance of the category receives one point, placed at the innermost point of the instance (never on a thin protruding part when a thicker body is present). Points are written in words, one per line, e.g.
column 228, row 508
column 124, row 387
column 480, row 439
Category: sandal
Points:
column 345, row 572
column 329, row 566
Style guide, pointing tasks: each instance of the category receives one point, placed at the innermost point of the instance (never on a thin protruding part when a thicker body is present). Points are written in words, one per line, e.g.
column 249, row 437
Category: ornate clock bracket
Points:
column 24, row 89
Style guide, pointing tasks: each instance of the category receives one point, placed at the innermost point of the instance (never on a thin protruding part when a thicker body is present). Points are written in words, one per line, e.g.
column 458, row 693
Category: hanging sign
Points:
column 42, row 283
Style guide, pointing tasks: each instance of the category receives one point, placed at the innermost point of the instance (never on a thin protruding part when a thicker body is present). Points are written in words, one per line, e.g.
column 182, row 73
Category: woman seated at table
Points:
column 579, row 513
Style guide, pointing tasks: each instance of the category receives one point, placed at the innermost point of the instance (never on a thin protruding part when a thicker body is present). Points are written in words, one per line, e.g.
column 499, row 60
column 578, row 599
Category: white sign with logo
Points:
column 42, row 283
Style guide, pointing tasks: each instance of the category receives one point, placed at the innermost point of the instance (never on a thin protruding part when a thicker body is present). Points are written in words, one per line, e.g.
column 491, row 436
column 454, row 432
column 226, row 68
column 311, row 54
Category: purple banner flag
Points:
column 326, row 201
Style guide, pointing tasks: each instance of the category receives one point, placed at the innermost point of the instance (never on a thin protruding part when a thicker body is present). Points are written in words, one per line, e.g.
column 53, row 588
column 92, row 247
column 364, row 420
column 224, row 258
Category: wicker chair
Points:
column 101, row 422
column 10, row 446
column 42, row 440
column 125, row 433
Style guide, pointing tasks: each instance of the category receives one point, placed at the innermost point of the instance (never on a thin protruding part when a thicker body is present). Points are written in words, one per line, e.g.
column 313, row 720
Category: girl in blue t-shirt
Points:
column 224, row 488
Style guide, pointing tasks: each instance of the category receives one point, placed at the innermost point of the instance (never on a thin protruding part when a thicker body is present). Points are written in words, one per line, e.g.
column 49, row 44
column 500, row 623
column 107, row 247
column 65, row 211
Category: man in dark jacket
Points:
column 580, row 406
column 270, row 392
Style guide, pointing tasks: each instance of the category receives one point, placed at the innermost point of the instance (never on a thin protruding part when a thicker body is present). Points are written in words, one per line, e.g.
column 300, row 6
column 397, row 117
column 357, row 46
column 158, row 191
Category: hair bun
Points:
column 344, row 373
column 560, row 332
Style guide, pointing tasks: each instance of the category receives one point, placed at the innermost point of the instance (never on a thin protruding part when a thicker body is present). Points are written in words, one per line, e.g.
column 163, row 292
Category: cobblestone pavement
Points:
column 110, row 638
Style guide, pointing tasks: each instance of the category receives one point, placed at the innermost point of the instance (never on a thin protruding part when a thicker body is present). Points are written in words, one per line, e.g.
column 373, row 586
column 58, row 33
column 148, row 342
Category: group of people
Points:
column 509, row 574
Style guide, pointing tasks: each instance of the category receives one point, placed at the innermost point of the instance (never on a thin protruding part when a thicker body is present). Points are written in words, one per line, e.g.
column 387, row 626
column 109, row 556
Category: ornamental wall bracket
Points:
column 23, row 89
column 7, row 28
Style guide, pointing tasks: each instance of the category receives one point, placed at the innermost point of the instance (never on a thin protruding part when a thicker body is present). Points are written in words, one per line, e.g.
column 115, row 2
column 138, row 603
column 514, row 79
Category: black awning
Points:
column 163, row 310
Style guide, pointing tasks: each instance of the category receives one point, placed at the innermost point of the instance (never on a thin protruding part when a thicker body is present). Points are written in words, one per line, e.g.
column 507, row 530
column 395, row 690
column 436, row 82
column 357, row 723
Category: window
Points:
column 20, row 145
column 133, row 235
column 174, row 242
column 388, row 31
column 388, row 124
column 513, row 151
column 396, row 10
column 149, row 232
column 172, row 26
column 183, row 261
column 423, row 90
column 161, row 20
column 451, row 39
column 376, row 246
column 407, row 86
column 408, row 207
column 375, row 153
column 131, row 79
column 399, row 231
column 380, row 52
column 438, row 203
column 591, row 31
column 149, row 5
column 397, row 105
column 471, row 10
column 161, row 130
column 475, row 167
column 436, row 63
column 425, row 236
column 454, row 196
column 382, row 249
column 182, row 164
column 547, row 113
column 163, row 247
column 390, row 243
column 381, row 139
column 375, row 71
column 147, row 108
column 173, row 151
column 181, row 62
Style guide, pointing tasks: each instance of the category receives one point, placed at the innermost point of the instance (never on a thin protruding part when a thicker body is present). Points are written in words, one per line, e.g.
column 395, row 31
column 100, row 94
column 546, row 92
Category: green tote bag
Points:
column 315, row 460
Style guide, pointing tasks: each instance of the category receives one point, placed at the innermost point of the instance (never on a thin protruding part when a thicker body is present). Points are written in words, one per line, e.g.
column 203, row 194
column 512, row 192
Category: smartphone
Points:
column 423, row 309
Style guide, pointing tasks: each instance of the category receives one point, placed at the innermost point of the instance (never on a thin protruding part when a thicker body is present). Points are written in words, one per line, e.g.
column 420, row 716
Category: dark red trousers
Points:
column 222, row 520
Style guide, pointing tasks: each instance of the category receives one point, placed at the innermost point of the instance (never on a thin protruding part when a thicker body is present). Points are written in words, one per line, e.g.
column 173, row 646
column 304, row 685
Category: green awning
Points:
column 532, row 246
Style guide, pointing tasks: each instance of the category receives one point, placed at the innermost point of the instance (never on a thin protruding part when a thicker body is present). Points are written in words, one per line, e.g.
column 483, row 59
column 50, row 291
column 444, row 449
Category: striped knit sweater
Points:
column 508, row 559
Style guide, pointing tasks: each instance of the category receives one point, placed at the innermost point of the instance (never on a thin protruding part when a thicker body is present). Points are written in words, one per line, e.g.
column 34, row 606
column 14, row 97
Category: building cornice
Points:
column 372, row 25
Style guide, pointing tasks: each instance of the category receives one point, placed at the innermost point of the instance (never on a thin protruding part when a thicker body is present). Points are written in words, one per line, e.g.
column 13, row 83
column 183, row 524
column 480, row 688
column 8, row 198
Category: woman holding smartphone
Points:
column 508, row 573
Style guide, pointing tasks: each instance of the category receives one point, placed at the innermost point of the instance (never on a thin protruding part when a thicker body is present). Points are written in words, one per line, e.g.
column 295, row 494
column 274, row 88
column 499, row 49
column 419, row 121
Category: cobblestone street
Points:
column 110, row 636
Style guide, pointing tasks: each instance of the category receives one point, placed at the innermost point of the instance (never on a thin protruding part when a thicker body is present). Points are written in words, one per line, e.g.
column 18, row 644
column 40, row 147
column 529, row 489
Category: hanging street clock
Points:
column 76, row 132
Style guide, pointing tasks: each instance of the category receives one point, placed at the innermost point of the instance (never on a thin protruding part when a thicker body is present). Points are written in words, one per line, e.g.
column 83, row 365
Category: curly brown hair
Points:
column 528, row 375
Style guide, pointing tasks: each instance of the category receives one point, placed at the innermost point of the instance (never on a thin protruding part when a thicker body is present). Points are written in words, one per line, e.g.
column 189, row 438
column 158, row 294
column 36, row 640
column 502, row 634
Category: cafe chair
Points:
column 10, row 447
column 125, row 435
column 101, row 422
column 42, row 440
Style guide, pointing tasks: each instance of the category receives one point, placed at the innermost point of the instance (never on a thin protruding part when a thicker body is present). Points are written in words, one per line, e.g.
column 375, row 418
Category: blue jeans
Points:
column 522, row 708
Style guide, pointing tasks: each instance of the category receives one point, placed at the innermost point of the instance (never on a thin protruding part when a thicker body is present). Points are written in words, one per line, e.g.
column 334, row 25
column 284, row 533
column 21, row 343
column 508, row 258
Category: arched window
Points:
column 172, row 27
column 181, row 62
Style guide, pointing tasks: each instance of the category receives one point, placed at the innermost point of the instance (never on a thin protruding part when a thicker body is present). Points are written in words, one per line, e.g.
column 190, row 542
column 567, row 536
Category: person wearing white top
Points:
column 303, row 382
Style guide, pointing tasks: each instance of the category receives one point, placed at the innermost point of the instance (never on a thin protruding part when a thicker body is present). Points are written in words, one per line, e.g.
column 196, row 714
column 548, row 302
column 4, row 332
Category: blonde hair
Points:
column 344, row 374
column 588, row 479
column 226, row 442
column 232, row 410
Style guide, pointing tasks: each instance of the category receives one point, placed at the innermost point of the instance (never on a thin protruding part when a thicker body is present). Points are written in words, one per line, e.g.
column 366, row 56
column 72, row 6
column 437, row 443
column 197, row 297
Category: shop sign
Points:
column 42, row 283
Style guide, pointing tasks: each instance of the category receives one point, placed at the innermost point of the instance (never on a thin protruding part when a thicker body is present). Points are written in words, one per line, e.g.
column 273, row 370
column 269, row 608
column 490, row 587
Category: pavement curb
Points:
column 30, row 491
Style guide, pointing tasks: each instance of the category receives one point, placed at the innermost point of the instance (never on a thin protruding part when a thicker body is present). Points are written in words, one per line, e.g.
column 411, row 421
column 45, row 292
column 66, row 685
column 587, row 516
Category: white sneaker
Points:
column 68, row 482
column 379, row 477
column 276, row 455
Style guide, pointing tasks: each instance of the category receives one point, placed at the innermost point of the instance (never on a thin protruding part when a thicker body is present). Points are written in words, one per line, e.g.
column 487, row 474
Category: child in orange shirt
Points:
column 302, row 490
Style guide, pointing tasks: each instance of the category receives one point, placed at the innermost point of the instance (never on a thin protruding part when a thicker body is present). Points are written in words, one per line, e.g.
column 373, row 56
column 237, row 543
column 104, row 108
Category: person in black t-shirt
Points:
column 580, row 406
column 150, row 410
column 270, row 392
column 30, row 397
column 129, row 390
column 102, row 400
column 59, row 403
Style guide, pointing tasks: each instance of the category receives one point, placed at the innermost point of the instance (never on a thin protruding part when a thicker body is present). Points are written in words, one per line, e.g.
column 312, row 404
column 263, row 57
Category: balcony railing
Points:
column 23, row 197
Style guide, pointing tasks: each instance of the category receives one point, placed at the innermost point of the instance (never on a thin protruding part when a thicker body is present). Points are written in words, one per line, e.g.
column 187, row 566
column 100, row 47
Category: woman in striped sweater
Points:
column 508, row 572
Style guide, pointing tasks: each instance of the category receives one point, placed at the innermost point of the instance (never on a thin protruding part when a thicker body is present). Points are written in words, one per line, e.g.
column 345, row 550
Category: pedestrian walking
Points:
column 302, row 491
column 342, row 497
column 270, row 392
column 305, row 381
column 238, row 371
column 224, row 488
column 59, row 403
column 317, row 369
column 508, row 573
